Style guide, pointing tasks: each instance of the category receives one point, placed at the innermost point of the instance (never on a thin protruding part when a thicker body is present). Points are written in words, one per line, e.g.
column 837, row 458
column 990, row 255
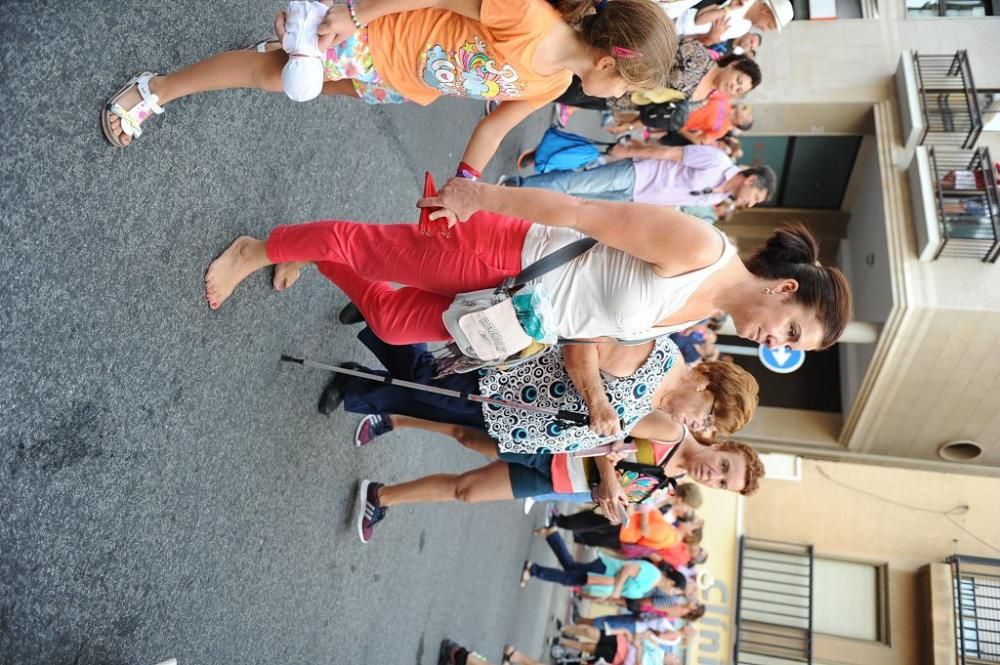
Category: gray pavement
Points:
column 166, row 485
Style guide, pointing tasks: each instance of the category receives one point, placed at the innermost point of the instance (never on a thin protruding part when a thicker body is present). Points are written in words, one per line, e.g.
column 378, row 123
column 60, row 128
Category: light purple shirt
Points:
column 669, row 183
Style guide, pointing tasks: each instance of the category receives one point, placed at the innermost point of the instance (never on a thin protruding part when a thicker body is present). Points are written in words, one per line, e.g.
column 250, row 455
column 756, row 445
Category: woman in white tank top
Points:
column 657, row 270
column 654, row 270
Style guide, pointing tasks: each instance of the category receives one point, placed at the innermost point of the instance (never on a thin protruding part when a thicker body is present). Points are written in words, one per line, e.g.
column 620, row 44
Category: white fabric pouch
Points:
column 484, row 325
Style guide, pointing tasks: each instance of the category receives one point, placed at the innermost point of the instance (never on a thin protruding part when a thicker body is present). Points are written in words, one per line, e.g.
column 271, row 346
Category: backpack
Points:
column 560, row 150
column 640, row 479
column 667, row 116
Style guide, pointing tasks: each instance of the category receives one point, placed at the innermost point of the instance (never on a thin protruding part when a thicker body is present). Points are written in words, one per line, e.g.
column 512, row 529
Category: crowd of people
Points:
column 615, row 286
column 650, row 566
column 650, row 569
column 678, row 144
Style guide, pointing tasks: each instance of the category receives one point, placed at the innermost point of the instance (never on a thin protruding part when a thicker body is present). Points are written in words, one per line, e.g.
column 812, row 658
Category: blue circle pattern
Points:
column 544, row 382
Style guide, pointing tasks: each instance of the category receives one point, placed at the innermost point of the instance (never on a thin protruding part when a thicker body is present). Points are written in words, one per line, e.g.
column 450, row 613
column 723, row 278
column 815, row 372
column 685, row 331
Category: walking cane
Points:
column 559, row 414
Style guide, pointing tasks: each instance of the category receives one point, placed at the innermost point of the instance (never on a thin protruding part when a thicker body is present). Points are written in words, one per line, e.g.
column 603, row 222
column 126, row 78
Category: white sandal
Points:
column 132, row 118
column 265, row 45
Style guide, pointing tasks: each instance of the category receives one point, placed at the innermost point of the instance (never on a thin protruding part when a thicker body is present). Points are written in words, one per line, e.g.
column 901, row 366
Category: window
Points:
column 849, row 599
column 977, row 614
column 820, row 10
column 960, row 8
column 778, row 466
column 812, row 171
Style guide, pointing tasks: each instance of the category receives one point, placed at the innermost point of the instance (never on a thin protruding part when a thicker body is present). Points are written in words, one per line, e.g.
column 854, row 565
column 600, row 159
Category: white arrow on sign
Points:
column 782, row 360
column 782, row 354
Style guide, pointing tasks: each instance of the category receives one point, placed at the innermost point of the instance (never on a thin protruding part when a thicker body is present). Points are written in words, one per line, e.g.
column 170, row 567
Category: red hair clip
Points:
column 623, row 52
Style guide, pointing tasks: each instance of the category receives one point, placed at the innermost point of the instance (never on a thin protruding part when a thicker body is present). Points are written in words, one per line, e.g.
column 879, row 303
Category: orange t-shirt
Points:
column 712, row 119
column 431, row 52
column 660, row 534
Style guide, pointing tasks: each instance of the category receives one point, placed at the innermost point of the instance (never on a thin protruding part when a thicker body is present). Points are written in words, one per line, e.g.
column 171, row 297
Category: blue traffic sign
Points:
column 782, row 360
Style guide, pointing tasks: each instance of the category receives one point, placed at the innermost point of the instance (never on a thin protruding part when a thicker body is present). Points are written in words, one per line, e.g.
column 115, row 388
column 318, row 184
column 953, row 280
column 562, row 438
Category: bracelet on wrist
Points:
column 467, row 172
column 354, row 16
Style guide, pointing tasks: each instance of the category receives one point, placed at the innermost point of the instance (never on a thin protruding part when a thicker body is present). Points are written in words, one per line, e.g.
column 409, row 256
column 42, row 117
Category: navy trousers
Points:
column 574, row 573
column 412, row 362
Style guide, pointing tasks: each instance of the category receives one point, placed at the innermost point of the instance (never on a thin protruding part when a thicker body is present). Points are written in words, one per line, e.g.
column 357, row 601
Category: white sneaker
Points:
column 529, row 503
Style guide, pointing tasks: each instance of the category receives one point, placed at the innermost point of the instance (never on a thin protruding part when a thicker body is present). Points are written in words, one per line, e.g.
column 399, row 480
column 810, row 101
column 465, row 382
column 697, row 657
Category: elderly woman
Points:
column 643, row 381
column 654, row 271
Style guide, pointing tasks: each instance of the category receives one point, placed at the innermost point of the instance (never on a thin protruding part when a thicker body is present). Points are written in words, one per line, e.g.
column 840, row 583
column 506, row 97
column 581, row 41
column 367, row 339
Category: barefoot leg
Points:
column 342, row 87
column 232, row 69
column 286, row 274
column 581, row 631
column 241, row 259
column 518, row 658
column 488, row 483
column 576, row 645
column 471, row 438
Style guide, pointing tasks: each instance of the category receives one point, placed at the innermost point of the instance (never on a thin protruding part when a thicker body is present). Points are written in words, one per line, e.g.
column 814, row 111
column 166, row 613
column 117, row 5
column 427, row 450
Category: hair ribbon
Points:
column 623, row 52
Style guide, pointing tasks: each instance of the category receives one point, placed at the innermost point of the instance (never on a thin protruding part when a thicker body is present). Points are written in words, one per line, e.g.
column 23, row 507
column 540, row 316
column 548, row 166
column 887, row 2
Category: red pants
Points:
column 363, row 258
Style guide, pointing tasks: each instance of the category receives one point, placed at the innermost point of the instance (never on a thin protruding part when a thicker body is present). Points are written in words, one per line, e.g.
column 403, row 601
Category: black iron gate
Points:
column 774, row 608
column 977, row 609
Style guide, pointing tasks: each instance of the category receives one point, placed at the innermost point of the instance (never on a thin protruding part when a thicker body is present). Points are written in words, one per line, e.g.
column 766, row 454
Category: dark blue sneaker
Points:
column 370, row 511
column 370, row 428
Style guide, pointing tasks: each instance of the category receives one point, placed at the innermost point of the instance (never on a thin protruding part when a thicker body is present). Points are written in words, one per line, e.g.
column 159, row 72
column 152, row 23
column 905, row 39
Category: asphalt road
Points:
column 166, row 485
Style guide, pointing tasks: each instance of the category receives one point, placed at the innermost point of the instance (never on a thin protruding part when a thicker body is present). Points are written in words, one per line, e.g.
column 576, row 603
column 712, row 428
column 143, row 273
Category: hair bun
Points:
column 792, row 253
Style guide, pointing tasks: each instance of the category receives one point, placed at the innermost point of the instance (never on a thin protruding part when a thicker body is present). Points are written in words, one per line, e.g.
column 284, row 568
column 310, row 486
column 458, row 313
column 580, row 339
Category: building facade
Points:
column 855, row 565
column 855, row 114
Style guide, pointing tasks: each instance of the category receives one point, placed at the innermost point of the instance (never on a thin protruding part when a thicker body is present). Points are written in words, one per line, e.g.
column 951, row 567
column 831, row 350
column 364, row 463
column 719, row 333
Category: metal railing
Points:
column 774, row 608
column 968, row 202
column 976, row 587
column 948, row 100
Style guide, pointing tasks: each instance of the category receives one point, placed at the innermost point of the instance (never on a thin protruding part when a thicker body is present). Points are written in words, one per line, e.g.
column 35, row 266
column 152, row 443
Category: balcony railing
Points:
column 948, row 99
column 774, row 609
column 977, row 609
column 967, row 199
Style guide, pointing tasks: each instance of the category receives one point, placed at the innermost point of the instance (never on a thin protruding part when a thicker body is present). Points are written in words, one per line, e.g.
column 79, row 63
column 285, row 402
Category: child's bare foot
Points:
column 241, row 259
column 286, row 274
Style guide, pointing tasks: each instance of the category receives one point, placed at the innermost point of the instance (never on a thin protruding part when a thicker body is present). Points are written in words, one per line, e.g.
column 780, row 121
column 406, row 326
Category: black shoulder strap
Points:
column 550, row 262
